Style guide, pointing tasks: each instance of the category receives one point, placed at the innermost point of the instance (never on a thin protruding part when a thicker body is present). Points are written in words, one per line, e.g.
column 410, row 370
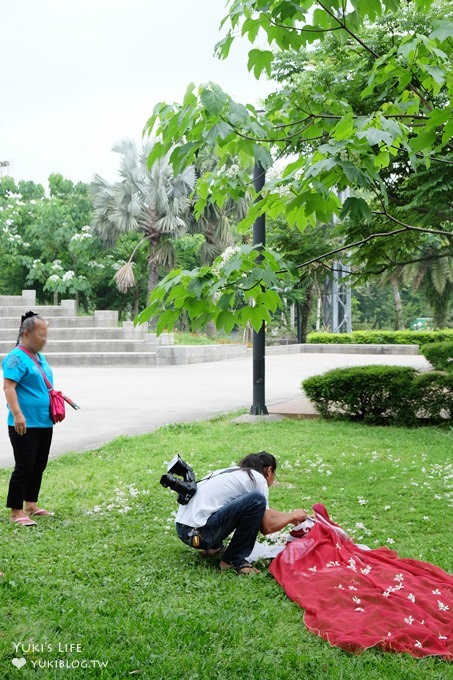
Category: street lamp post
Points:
column 259, row 338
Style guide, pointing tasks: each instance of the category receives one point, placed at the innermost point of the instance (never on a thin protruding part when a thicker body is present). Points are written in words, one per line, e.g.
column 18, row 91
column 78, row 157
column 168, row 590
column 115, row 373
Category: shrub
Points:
column 372, row 394
column 432, row 395
column 440, row 355
column 382, row 337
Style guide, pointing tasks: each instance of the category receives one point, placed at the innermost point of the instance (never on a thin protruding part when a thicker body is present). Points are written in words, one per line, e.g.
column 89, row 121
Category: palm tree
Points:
column 148, row 200
column 432, row 274
column 217, row 224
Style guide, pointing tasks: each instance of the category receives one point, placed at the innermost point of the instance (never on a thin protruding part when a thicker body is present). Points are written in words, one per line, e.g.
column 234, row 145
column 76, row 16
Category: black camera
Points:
column 185, row 487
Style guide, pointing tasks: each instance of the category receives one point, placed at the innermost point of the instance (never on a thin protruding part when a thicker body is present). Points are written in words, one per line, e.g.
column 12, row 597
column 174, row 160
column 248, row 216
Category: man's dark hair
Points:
column 257, row 462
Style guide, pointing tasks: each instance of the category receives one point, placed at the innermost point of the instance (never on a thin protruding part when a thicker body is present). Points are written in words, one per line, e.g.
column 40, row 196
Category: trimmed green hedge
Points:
column 382, row 395
column 432, row 395
column 439, row 354
column 381, row 337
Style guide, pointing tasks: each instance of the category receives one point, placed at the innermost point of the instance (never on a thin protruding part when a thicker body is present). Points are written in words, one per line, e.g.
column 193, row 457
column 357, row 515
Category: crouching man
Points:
column 234, row 500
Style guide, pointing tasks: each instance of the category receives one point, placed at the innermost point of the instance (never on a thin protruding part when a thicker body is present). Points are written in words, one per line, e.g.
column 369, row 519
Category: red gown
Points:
column 356, row 598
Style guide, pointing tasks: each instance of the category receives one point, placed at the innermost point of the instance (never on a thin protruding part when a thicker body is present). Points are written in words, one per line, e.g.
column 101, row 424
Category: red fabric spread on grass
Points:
column 356, row 598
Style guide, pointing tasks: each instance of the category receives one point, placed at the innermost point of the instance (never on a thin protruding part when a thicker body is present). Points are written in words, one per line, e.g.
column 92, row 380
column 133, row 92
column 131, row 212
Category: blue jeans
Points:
column 243, row 516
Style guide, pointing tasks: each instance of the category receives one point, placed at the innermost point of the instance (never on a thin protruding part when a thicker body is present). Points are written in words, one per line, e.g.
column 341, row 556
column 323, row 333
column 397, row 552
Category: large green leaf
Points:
column 213, row 99
column 259, row 61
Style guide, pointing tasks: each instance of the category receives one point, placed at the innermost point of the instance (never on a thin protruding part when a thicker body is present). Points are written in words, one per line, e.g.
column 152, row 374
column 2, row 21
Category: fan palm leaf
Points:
column 124, row 277
column 145, row 199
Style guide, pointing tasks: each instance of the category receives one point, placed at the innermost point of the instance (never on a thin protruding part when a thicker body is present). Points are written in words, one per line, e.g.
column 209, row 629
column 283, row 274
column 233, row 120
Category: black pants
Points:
column 31, row 452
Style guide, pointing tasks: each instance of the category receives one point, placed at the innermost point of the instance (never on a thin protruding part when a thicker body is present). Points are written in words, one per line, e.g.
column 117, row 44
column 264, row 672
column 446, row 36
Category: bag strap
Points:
column 33, row 358
column 216, row 474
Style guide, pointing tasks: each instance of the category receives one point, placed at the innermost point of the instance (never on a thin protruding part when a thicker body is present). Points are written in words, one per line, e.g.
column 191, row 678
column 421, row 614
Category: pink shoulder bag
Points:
column 57, row 399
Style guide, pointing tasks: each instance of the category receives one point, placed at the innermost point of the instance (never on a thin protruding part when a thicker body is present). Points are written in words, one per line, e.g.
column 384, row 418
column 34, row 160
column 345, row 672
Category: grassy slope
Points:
column 108, row 573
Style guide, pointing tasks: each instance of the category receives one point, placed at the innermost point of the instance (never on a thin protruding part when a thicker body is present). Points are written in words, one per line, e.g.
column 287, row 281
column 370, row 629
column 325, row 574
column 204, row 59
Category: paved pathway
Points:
column 117, row 401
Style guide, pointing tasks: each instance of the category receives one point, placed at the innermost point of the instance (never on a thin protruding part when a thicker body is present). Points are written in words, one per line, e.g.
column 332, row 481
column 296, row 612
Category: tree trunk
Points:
column 210, row 329
column 153, row 277
column 153, row 280
column 305, row 308
column 398, row 305
column 136, row 304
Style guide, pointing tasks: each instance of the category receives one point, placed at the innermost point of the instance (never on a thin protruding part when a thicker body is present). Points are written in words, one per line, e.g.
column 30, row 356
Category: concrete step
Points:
column 296, row 408
column 78, row 346
column 14, row 301
column 82, row 333
column 100, row 359
column 74, row 340
column 28, row 297
column 47, row 311
column 55, row 322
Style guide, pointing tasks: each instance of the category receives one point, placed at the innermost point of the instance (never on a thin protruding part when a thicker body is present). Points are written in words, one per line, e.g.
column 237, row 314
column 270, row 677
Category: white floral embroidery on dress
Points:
column 436, row 592
column 312, row 569
column 442, row 607
column 340, row 587
column 411, row 597
column 359, row 609
column 399, row 577
column 417, row 643
column 443, row 637
column 409, row 620
column 352, row 588
column 352, row 564
column 334, row 563
column 366, row 570
column 356, row 599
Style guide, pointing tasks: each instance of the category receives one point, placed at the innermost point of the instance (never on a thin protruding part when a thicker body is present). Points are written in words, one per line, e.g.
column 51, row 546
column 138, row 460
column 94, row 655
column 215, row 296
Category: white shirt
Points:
column 216, row 491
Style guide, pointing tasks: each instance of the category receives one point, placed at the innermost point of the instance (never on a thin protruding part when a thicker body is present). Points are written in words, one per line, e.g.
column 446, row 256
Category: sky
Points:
column 79, row 75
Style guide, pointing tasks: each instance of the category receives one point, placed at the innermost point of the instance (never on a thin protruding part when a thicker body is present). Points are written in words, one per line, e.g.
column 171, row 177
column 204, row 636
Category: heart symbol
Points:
column 19, row 662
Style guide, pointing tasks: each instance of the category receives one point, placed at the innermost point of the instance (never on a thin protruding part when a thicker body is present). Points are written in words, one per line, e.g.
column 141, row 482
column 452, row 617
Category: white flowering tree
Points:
column 15, row 215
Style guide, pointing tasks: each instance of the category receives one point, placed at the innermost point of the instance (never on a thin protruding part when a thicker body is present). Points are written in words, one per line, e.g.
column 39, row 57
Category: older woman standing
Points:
column 29, row 423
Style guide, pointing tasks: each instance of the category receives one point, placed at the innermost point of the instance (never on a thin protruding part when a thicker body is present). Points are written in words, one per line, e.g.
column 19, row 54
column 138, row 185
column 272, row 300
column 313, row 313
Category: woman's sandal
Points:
column 244, row 568
column 40, row 512
column 23, row 521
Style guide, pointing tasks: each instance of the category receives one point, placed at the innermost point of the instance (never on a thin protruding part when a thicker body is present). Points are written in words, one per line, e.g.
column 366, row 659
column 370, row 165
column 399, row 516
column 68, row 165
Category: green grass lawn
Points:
column 182, row 338
column 108, row 573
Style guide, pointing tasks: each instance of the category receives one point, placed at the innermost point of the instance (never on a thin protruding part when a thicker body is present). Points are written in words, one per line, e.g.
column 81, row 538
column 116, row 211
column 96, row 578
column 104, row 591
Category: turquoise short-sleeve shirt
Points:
column 31, row 389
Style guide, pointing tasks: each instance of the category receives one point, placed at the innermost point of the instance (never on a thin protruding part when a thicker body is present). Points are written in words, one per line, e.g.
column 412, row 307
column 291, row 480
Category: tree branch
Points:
column 410, row 227
column 400, row 264
column 385, row 234
column 385, row 267
column 304, row 30
column 348, row 246
column 423, row 211
column 269, row 139
column 369, row 49
column 342, row 25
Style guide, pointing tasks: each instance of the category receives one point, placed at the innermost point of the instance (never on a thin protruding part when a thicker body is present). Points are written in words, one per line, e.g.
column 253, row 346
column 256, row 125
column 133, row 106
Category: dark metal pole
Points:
column 299, row 321
column 259, row 339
